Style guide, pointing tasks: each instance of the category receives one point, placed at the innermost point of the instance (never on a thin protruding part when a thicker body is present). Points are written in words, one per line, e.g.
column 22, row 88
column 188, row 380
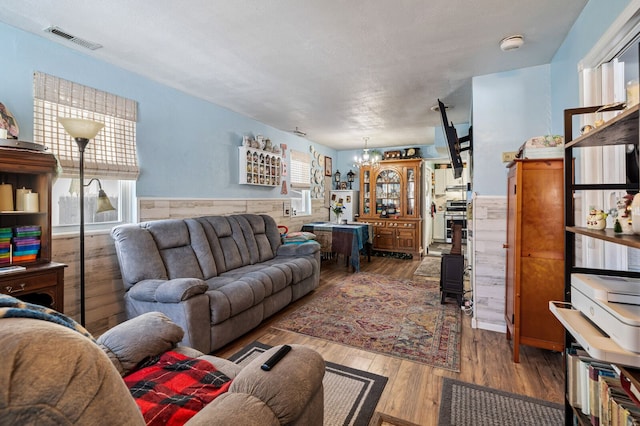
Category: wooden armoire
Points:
column 534, row 253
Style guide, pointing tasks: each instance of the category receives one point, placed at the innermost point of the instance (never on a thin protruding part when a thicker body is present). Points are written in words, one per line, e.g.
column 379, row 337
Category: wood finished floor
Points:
column 413, row 390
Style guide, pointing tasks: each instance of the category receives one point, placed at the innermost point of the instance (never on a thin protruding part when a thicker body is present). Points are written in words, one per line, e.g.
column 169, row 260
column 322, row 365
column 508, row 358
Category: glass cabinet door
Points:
column 366, row 192
column 411, row 192
column 388, row 186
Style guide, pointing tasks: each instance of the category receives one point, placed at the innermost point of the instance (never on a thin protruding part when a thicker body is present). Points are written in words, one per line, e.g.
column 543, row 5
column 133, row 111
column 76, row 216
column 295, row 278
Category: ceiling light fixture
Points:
column 299, row 133
column 512, row 42
column 436, row 108
column 367, row 158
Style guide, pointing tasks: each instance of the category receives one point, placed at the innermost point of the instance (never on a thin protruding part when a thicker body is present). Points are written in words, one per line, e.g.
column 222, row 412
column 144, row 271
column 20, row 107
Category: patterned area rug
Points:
column 429, row 267
column 350, row 395
column 402, row 318
column 437, row 249
column 469, row 404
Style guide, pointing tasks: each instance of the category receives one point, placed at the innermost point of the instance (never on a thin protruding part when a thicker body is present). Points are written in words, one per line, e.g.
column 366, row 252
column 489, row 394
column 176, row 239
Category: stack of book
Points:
column 597, row 390
column 26, row 243
column 5, row 246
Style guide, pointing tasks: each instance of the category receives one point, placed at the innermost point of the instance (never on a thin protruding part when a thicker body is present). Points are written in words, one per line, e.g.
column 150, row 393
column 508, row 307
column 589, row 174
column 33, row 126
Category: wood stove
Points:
column 452, row 269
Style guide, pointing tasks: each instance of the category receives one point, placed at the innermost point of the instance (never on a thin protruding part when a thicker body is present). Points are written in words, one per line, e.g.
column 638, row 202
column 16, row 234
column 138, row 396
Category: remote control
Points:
column 268, row 365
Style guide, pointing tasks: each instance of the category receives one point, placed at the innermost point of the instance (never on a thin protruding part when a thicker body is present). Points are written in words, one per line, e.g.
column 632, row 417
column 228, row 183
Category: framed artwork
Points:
column 327, row 166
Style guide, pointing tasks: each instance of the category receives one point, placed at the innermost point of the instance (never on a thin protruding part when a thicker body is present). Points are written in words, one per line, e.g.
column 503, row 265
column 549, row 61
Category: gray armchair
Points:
column 54, row 375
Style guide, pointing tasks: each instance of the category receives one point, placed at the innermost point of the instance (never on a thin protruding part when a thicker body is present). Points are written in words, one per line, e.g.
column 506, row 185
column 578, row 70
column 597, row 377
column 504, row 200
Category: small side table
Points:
column 42, row 284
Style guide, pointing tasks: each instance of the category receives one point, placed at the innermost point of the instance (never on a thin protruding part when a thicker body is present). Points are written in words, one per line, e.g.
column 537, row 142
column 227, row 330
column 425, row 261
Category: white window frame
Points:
column 300, row 172
column 300, row 169
column 127, row 211
column 111, row 156
column 302, row 206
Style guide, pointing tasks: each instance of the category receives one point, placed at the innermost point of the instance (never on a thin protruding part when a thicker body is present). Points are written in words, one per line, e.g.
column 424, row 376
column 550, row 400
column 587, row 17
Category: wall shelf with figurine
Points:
column 591, row 288
column 259, row 167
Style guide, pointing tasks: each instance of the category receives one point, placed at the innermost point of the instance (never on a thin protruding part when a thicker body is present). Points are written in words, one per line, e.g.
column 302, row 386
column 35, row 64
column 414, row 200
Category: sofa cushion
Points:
column 299, row 268
column 52, row 375
column 273, row 278
column 173, row 240
column 202, row 248
column 254, row 230
column 223, row 240
column 239, row 240
column 138, row 255
column 124, row 348
column 236, row 296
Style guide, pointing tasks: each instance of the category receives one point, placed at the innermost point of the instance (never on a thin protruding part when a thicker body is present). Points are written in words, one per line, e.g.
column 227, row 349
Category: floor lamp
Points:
column 82, row 131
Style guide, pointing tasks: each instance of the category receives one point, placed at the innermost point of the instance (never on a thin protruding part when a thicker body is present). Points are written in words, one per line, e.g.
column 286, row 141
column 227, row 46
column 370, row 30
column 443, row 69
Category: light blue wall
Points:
column 186, row 147
column 508, row 109
column 595, row 19
column 511, row 107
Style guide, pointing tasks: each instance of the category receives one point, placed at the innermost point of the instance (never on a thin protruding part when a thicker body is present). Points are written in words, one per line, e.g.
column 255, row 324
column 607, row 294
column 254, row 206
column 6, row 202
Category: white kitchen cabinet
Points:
column 441, row 181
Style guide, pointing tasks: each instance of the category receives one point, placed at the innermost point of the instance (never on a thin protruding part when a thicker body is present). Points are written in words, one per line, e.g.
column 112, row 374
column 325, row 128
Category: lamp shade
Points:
column 104, row 205
column 80, row 127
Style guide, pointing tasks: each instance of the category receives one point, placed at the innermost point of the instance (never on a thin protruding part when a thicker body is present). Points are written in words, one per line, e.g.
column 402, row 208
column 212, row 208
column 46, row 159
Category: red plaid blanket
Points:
column 172, row 388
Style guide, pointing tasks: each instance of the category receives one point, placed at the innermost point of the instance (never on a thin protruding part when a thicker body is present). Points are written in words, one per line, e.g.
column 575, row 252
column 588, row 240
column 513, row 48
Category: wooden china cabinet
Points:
column 42, row 281
column 390, row 195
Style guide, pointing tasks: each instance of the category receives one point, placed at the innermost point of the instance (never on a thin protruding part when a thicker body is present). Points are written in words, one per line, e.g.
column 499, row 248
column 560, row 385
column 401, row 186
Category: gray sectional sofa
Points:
column 217, row 277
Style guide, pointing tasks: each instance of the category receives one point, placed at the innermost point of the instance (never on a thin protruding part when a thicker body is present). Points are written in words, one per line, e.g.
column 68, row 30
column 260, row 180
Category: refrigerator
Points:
column 349, row 199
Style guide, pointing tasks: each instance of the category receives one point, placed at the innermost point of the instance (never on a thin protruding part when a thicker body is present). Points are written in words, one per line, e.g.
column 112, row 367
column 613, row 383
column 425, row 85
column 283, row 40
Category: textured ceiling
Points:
column 338, row 70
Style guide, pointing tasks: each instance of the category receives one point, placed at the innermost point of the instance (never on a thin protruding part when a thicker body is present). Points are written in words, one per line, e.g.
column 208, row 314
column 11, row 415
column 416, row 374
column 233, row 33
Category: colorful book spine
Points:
column 25, row 243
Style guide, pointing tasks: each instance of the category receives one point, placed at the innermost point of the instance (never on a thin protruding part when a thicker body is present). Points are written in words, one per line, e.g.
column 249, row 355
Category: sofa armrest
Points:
column 288, row 389
column 303, row 249
column 130, row 342
column 167, row 291
column 235, row 409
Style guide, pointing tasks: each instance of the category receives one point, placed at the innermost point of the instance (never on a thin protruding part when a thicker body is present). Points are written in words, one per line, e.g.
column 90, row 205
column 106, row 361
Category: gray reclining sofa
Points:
column 217, row 277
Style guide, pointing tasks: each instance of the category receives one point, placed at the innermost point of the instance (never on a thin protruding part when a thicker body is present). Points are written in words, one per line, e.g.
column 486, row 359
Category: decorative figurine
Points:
column 596, row 219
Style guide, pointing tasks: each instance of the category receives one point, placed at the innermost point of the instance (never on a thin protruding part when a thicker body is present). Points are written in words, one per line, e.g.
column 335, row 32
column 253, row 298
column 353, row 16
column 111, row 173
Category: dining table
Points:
column 349, row 239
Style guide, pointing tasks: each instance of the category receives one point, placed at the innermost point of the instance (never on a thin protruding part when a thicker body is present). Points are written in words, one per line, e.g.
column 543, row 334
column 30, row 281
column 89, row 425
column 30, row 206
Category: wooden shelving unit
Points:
column 258, row 167
column 42, row 281
column 621, row 130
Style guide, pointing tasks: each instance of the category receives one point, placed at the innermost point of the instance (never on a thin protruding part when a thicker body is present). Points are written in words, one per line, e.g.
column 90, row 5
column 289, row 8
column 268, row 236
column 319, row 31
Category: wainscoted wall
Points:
column 489, row 235
column 103, row 283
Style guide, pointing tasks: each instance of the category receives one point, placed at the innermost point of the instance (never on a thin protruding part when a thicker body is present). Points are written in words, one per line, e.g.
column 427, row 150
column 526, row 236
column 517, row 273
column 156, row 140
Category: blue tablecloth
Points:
column 346, row 239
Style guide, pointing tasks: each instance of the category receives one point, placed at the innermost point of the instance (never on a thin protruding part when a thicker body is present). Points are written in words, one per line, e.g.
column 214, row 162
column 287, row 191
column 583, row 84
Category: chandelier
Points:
column 368, row 158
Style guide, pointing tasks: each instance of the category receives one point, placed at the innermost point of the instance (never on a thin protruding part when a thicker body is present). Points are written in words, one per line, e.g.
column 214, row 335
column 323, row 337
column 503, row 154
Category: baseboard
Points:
column 500, row 328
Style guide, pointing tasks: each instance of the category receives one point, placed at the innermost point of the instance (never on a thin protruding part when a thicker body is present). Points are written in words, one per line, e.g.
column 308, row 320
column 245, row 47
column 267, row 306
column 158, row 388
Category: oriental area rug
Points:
column 391, row 316
column 350, row 395
column 469, row 404
column 429, row 267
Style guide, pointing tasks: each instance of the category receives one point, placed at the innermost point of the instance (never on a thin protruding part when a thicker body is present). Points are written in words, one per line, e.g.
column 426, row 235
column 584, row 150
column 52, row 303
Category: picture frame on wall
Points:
column 328, row 166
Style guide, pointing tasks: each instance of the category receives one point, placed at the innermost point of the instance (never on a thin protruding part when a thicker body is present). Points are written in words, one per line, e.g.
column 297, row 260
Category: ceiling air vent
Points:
column 81, row 42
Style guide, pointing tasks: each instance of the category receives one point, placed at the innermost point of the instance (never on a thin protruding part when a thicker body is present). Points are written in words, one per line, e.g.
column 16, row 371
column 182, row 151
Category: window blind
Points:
column 300, row 167
column 112, row 153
